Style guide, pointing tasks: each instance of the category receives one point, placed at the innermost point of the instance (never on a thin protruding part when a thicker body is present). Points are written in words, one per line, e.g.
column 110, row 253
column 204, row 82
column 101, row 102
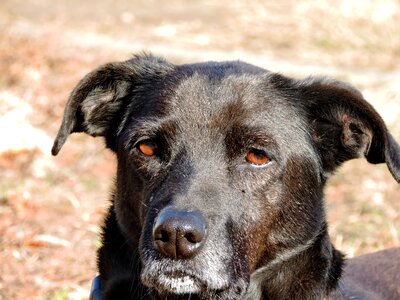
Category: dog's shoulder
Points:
column 371, row 276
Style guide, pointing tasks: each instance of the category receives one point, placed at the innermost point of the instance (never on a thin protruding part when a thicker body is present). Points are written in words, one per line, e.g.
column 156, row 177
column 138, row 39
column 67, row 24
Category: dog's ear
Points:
column 345, row 126
column 96, row 104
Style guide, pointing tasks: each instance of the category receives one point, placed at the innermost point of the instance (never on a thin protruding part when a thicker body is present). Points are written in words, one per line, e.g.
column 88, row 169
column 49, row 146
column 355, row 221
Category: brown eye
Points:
column 147, row 148
column 257, row 157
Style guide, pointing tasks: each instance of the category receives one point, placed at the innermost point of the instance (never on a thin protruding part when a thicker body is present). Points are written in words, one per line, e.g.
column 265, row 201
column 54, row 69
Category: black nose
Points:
column 179, row 234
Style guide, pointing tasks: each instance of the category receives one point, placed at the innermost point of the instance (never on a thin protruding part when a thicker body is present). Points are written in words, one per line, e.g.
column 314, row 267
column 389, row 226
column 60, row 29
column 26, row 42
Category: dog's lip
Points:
column 177, row 274
column 179, row 281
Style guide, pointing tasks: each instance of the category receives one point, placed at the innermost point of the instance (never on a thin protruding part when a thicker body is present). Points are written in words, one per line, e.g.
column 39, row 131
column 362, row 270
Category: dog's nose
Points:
column 179, row 234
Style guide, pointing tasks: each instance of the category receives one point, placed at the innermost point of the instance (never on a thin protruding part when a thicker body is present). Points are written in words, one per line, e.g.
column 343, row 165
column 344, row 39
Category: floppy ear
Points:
column 96, row 104
column 345, row 126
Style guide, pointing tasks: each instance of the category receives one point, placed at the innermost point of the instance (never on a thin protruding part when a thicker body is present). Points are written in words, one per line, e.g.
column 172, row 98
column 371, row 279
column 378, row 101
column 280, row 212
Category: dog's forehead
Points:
column 201, row 101
column 202, row 98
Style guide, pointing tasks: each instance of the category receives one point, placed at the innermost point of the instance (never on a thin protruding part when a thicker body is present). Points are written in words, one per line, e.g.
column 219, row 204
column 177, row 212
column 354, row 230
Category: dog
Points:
column 219, row 192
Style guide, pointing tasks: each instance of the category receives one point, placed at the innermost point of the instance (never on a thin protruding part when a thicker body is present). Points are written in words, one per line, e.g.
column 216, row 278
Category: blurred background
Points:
column 51, row 207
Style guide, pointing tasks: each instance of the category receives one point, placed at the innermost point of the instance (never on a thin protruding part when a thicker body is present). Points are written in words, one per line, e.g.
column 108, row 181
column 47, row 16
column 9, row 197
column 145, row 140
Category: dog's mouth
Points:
column 179, row 283
column 178, row 280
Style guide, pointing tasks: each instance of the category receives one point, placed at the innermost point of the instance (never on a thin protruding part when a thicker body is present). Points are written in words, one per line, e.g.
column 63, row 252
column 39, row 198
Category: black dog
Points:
column 221, row 171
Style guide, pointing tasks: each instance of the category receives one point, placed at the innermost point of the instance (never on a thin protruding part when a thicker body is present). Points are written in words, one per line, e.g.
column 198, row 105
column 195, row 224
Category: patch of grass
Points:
column 3, row 200
column 50, row 179
column 61, row 294
column 10, row 185
column 90, row 184
column 97, row 242
column 326, row 43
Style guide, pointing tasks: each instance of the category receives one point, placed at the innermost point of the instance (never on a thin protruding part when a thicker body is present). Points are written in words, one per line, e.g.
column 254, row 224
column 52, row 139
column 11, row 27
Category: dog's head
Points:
column 221, row 166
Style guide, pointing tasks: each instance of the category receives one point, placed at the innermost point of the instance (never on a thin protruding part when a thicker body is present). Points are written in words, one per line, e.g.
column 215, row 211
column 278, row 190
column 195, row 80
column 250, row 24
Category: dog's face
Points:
column 212, row 155
column 221, row 166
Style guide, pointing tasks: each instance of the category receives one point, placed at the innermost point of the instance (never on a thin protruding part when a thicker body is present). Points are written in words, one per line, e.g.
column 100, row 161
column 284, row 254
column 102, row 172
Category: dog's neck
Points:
column 309, row 271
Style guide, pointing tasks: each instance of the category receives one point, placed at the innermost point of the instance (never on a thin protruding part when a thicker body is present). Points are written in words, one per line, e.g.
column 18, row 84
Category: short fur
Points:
column 267, row 234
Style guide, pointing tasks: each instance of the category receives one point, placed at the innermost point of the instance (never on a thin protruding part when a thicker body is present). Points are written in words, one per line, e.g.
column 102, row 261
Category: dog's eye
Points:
column 257, row 157
column 147, row 148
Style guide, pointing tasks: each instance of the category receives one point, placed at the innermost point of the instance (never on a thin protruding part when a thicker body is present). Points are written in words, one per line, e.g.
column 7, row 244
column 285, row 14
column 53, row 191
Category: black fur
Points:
column 267, row 236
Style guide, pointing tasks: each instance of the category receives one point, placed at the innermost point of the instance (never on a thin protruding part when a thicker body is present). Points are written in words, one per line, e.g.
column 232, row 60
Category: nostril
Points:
column 162, row 236
column 190, row 238
column 193, row 237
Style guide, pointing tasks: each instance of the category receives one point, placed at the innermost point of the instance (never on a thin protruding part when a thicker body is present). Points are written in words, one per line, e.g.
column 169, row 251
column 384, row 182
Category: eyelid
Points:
column 265, row 146
column 142, row 139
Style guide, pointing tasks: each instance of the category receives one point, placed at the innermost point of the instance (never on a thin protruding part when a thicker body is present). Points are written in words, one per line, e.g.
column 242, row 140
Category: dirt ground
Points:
column 51, row 207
